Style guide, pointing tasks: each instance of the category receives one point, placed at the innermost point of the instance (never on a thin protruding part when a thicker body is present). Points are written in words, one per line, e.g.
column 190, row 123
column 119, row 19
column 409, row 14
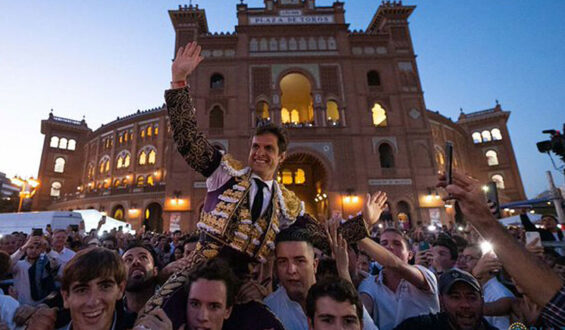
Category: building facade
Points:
column 352, row 102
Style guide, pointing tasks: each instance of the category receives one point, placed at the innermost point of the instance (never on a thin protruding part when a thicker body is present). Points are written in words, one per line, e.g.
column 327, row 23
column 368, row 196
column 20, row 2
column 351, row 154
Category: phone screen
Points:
column 492, row 196
column 448, row 162
column 37, row 232
column 531, row 236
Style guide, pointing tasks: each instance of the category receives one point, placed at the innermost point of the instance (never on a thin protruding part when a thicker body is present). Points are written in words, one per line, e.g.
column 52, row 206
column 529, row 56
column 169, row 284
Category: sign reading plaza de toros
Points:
column 291, row 17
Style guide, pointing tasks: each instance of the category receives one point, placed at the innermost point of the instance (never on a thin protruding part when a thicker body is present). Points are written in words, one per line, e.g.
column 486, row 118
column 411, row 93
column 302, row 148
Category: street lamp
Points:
column 28, row 188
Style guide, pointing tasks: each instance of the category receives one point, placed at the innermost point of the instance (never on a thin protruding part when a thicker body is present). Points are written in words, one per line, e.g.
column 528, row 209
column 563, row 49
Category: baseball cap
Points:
column 454, row 275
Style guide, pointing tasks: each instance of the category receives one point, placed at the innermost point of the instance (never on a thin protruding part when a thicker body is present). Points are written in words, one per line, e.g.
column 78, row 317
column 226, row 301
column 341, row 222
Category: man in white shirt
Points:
column 8, row 305
column 296, row 266
column 401, row 290
column 32, row 250
column 59, row 251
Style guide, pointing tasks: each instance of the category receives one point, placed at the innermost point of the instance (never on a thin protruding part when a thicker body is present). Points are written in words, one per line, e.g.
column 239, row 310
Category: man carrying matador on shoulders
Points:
column 244, row 207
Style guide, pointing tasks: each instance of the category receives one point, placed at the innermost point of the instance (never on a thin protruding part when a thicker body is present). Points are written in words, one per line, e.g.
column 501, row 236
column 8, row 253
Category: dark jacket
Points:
column 438, row 321
column 544, row 234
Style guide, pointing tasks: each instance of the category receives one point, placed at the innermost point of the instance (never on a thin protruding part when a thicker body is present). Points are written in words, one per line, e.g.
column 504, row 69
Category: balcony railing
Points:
column 112, row 192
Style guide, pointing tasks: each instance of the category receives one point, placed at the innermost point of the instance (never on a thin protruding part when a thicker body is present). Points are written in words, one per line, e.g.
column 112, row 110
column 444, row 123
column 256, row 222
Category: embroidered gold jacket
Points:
column 226, row 217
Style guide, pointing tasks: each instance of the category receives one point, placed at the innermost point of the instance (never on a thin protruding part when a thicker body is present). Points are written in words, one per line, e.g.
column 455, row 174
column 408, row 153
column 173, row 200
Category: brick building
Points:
column 351, row 100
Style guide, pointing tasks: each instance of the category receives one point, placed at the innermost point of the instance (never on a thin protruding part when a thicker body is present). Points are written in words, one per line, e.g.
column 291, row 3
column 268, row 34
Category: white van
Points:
column 26, row 221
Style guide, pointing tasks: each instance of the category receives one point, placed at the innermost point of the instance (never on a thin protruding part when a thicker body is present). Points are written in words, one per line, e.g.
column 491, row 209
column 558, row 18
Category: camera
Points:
column 556, row 144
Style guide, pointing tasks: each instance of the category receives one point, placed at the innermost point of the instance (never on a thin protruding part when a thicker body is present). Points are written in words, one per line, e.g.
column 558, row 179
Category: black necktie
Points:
column 258, row 200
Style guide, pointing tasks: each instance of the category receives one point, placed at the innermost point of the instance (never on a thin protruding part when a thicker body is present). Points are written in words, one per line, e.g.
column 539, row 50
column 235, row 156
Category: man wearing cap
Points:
column 461, row 304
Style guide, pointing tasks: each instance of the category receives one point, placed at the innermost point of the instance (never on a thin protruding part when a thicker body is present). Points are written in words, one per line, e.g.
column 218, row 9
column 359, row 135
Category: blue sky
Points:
column 105, row 58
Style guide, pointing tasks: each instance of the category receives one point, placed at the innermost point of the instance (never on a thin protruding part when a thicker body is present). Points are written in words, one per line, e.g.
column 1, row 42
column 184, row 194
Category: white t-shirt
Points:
column 62, row 258
column 494, row 290
column 21, row 282
column 391, row 308
column 292, row 315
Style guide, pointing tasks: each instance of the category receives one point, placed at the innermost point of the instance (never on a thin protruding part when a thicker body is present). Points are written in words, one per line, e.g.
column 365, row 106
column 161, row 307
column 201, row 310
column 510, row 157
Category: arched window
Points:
column 440, row 160
column 216, row 118
column 54, row 142
column 287, row 176
column 121, row 139
column 217, row 81
column 386, row 156
column 294, row 116
column 116, row 183
column 299, row 176
column 140, row 181
column 496, row 134
column 104, row 164
column 59, row 165
column 373, row 78
column 486, row 136
column 72, row 144
column 120, row 162
column 285, row 116
column 56, row 189
column 262, row 111
column 63, row 143
column 142, row 133
column 499, row 180
column 296, row 97
column 379, row 115
column 332, row 113
column 90, row 173
column 142, row 158
column 118, row 212
column 107, row 165
column 151, row 157
column 149, row 130
column 156, row 130
column 492, row 158
column 477, row 137
column 126, row 135
column 150, row 180
column 127, row 160
column 124, row 182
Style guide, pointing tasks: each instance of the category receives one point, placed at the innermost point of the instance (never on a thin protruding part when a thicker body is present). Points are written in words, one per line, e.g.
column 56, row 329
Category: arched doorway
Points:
column 153, row 217
column 296, row 95
column 306, row 176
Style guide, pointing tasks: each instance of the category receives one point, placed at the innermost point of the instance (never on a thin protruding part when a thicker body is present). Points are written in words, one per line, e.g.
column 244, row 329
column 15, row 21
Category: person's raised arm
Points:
column 191, row 143
column 535, row 278
column 371, row 212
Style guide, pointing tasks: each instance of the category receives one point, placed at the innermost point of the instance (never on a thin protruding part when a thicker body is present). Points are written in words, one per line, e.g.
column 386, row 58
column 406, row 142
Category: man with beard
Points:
column 461, row 304
column 141, row 276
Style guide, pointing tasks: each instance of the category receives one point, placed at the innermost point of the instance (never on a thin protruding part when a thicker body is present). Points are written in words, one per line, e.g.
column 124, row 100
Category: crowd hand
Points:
column 251, row 291
column 31, row 240
column 374, row 205
column 339, row 248
column 155, row 320
column 43, row 319
column 488, row 264
column 534, row 248
column 525, row 310
column 187, row 59
column 424, row 258
column 173, row 267
column 467, row 191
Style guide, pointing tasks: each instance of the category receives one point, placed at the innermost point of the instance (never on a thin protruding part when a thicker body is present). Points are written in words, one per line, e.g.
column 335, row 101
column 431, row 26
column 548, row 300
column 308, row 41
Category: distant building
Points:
column 7, row 189
column 351, row 100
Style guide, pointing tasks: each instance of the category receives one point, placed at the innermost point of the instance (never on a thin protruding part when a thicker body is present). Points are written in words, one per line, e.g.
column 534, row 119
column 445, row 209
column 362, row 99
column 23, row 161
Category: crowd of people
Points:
column 258, row 261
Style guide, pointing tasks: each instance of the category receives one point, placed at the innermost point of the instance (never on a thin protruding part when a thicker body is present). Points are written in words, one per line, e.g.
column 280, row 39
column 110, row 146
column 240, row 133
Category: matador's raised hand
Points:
column 187, row 59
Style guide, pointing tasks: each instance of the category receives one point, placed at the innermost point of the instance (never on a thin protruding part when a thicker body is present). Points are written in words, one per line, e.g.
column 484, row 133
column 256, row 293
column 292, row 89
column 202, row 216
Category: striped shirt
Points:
column 553, row 314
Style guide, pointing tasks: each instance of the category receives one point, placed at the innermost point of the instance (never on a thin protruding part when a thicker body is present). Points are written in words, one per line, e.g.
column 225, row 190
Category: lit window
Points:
column 106, row 184
column 142, row 158
column 107, row 166
column 118, row 213
column 116, row 183
column 90, row 172
column 54, row 142
column 127, row 161
column 492, row 158
column 121, row 139
column 126, row 137
column 439, row 158
column 262, row 110
column 124, row 182
column 151, row 158
column 56, row 189
column 332, row 112
column 140, row 181
column 142, row 133
column 156, row 130
column 150, row 181
column 379, row 115
column 285, row 116
column 477, row 137
column 59, row 165
column 149, row 130
column 287, row 177
column 496, row 134
column 499, row 180
column 299, row 176
column 486, row 136
column 294, row 116
column 101, row 167
column 120, row 162
column 63, row 143
column 72, row 144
